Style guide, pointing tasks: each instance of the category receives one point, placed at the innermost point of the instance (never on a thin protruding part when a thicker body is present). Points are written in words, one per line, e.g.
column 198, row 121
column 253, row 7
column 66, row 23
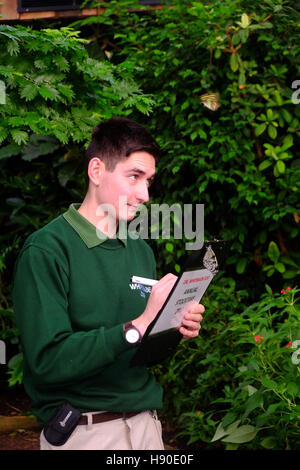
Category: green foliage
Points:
column 54, row 88
column 239, row 160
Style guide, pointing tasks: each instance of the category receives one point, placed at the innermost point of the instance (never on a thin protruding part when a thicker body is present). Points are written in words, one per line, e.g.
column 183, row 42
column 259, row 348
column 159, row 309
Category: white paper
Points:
column 190, row 288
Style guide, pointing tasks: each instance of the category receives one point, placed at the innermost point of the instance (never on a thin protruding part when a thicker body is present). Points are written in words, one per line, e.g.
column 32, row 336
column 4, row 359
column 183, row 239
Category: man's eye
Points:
column 133, row 177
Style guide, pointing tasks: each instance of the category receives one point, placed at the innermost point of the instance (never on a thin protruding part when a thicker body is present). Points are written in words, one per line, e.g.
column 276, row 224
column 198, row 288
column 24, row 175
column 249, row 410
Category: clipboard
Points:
column 162, row 336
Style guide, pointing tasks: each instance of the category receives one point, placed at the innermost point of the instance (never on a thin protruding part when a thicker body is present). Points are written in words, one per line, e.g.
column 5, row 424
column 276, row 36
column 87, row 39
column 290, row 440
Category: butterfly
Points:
column 210, row 100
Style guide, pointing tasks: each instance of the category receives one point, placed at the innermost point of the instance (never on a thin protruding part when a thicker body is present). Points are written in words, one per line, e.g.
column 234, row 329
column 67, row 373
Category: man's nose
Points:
column 143, row 192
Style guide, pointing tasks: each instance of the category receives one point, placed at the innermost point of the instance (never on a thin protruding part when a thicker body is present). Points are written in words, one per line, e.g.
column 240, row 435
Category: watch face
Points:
column 132, row 336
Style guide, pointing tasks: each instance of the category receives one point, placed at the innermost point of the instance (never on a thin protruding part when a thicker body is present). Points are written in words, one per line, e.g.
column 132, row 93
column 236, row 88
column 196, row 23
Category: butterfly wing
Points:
column 210, row 100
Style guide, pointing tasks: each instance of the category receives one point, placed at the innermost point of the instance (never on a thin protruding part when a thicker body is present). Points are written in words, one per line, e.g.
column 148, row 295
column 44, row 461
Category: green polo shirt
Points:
column 72, row 294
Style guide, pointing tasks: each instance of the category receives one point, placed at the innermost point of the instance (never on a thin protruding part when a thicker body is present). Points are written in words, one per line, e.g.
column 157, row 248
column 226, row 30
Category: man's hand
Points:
column 159, row 293
column 191, row 322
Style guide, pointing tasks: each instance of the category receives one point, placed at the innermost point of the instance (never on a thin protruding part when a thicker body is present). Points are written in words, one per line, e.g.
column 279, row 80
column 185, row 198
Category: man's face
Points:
column 126, row 188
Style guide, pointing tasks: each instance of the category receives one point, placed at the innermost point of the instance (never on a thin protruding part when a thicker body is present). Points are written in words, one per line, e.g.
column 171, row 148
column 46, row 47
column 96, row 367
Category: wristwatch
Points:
column 132, row 334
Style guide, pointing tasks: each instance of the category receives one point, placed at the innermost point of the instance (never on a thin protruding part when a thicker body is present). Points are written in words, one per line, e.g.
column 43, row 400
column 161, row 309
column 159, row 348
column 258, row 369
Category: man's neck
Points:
column 104, row 223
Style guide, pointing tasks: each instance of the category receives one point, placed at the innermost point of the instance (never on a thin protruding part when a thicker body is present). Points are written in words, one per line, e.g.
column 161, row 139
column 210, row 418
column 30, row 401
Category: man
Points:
column 76, row 311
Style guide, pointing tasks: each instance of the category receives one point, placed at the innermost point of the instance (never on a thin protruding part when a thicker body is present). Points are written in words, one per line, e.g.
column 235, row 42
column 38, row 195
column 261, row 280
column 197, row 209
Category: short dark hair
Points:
column 115, row 139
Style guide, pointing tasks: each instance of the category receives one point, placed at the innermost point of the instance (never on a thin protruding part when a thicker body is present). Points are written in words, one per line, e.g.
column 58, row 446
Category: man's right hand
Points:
column 159, row 293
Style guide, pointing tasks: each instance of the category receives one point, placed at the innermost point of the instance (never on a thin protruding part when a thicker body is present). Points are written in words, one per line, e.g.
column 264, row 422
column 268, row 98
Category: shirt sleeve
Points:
column 53, row 352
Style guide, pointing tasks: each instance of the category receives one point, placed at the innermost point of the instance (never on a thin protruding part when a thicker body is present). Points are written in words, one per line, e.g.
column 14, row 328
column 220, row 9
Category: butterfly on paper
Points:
column 210, row 100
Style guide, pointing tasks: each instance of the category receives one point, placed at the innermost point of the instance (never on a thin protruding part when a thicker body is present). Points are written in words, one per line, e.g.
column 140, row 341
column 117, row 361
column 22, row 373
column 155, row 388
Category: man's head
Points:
column 120, row 162
column 114, row 140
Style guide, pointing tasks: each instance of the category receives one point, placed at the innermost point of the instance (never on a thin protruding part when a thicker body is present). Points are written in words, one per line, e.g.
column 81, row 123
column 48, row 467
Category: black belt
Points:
column 107, row 416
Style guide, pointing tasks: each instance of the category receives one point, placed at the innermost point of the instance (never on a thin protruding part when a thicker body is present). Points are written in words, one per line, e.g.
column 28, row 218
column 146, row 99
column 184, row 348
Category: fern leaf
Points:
column 61, row 63
column 29, row 92
column 19, row 137
column 48, row 92
column 13, row 48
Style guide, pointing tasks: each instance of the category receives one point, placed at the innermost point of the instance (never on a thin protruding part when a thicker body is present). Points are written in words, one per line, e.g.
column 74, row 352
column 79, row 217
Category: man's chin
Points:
column 127, row 217
column 131, row 213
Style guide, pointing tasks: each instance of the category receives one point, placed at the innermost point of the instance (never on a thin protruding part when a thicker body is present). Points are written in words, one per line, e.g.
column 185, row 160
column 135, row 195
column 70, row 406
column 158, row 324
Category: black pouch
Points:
column 61, row 425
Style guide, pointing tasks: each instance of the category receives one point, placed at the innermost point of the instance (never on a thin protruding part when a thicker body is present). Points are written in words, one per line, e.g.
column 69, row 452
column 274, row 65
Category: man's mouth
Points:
column 134, row 206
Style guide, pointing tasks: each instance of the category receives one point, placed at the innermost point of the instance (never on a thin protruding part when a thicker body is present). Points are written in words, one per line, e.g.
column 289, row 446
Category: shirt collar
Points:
column 88, row 232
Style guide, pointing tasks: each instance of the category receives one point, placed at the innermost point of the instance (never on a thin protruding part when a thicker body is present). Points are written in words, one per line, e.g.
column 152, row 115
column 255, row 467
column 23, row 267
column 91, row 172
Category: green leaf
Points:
column 268, row 383
column 3, row 134
column 202, row 134
column 264, row 165
column 10, row 150
column 287, row 143
column 245, row 20
column 61, row 63
column 228, row 419
column 232, row 427
column 13, row 48
column 29, row 92
column 273, row 252
column 217, row 53
column 220, row 432
column 170, row 247
column 193, row 135
column 260, row 129
column 255, row 401
column 15, row 121
column 278, row 98
column 241, row 265
column 244, row 34
column 286, row 115
column 39, row 145
column 234, row 62
column 268, row 442
column 272, row 131
column 293, row 389
column 48, row 92
column 279, row 267
column 268, row 289
column 231, row 446
column 177, row 268
column 236, row 39
column 66, row 90
column 280, row 167
column 20, row 137
column 245, row 433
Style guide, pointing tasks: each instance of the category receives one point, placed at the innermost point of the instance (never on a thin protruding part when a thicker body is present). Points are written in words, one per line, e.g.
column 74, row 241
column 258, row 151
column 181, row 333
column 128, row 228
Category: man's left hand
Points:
column 191, row 322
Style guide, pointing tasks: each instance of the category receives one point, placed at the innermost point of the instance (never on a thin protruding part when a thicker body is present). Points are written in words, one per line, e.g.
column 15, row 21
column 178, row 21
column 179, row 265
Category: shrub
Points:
column 237, row 157
column 239, row 383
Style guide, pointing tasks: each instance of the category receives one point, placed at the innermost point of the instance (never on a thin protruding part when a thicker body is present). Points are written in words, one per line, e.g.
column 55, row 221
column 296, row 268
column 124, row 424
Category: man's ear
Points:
column 95, row 169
